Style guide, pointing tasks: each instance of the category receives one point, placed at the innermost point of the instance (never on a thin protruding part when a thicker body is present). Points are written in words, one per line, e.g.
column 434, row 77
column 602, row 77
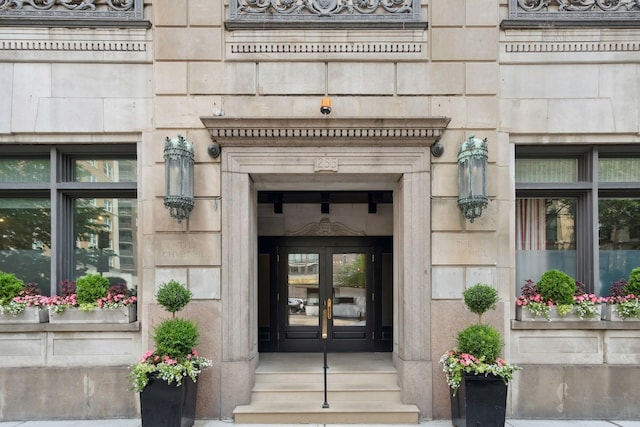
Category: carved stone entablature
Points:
column 416, row 132
column 571, row 47
column 326, row 48
column 267, row 14
column 575, row 13
column 70, row 12
column 325, row 228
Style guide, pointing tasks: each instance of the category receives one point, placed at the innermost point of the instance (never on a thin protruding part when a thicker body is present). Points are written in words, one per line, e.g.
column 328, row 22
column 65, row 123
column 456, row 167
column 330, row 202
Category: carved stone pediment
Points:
column 325, row 228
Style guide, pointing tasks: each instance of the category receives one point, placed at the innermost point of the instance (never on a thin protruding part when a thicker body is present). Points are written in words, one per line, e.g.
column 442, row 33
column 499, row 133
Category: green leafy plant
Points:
column 633, row 284
column 480, row 298
column 482, row 341
column 557, row 286
column 10, row 287
column 478, row 346
column 175, row 339
column 564, row 309
column 173, row 296
column 90, row 288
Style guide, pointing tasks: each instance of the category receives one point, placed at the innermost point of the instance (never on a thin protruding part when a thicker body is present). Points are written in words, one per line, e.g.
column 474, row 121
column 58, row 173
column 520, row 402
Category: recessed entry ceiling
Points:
column 325, row 197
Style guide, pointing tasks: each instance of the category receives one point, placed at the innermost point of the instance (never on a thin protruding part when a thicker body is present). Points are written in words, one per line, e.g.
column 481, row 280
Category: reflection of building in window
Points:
column 560, row 224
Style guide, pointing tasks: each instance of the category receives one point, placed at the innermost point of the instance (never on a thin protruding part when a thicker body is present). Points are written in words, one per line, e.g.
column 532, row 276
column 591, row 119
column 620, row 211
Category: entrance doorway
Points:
column 337, row 289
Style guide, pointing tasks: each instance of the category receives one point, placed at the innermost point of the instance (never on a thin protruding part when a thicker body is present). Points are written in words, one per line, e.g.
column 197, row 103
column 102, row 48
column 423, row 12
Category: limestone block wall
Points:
column 72, row 86
column 599, row 360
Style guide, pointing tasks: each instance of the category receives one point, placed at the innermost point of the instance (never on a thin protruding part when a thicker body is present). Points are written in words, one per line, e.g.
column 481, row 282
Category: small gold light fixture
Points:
column 472, row 177
column 178, row 172
column 325, row 105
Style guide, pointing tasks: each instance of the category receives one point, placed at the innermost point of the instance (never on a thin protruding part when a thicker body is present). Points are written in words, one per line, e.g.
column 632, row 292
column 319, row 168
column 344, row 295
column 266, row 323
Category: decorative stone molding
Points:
column 68, row 45
column 265, row 14
column 573, row 13
column 324, row 48
column 70, row 12
column 422, row 132
column 325, row 228
column 565, row 47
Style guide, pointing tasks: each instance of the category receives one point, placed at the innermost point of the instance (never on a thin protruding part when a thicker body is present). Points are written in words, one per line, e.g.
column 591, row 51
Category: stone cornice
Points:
column 423, row 131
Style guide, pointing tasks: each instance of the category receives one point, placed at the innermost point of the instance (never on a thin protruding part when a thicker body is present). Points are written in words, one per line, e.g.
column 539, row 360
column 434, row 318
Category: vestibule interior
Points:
column 325, row 247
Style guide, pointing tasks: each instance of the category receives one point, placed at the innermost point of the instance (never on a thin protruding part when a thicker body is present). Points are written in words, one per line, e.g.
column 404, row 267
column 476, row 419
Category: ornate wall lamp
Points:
column 178, row 173
column 472, row 177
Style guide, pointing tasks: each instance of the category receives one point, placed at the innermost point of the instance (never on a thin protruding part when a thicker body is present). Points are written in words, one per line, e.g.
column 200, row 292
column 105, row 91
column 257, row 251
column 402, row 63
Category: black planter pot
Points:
column 168, row 405
column 480, row 402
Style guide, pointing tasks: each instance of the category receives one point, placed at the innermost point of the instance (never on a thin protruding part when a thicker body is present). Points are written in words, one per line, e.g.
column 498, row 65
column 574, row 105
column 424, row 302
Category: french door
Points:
column 325, row 290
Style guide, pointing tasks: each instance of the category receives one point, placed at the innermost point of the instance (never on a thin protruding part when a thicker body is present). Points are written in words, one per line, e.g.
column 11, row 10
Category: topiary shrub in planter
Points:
column 90, row 288
column 475, row 372
column 557, row 286
column 557, row 296
column 166, row 377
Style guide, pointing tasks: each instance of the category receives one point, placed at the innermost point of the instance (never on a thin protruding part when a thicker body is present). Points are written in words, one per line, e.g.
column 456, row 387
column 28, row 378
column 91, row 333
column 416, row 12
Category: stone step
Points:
column 346, row 395
column 361, row 389
column 380, row 379
column 302, row 412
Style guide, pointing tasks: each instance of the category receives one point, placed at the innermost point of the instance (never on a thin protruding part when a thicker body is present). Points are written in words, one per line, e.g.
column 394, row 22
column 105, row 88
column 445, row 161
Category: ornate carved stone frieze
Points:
column 324, row 12
column 67, row 10
column 325, row 228
column 577, row 12
column 419, row 132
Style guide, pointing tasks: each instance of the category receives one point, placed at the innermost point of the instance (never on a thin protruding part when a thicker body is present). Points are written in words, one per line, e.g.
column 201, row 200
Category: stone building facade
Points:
column 539, row 82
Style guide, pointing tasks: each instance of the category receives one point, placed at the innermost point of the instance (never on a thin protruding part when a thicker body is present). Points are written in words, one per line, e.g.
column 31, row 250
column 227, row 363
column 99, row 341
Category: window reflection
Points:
column 545, row 237
column 104, row 171
column 25, row 240
column 349, row 289
column 24, row 170
column 302, row 289
column 619, row 237
column 105, row 238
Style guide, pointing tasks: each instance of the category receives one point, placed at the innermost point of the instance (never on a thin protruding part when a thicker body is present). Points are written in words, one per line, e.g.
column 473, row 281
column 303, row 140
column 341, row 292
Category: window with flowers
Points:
column 577, row 211
column 62, row 216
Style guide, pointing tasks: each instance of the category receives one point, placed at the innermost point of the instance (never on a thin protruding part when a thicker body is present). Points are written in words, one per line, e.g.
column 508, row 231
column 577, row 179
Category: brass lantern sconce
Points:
column 472, row 177
column 178, row 175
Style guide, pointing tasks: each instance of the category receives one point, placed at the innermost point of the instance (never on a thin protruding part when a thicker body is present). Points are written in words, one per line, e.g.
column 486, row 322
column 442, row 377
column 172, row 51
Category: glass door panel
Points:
column 303, row 281
column 349, row 289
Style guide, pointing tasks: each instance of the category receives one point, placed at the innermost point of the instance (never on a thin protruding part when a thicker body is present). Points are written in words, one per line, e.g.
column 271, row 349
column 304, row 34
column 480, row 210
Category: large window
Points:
column 578, row 210
column 68, row 211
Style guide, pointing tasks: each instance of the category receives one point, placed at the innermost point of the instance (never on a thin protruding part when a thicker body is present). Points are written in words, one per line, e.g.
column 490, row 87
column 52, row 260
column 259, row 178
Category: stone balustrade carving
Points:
column 324, row 11
column 52, row 10
column 575, row 10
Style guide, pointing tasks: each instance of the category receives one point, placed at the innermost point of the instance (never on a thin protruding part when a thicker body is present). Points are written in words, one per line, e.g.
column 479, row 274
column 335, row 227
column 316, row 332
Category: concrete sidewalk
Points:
column 219, row 423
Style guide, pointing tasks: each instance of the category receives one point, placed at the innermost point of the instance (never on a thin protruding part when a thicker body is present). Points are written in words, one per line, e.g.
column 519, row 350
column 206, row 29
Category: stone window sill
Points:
column 58, row 327
column 587, row 325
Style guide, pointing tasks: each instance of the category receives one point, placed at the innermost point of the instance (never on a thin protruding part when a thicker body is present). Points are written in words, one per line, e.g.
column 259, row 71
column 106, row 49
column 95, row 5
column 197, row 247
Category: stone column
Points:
column 412, row 292
column 239, row 290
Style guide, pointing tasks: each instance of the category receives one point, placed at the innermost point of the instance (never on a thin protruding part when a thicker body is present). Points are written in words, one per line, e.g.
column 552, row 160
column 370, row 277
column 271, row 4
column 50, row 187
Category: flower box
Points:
column 125, row 314
column 525, row 315
column 29, row 315
column 610, row 313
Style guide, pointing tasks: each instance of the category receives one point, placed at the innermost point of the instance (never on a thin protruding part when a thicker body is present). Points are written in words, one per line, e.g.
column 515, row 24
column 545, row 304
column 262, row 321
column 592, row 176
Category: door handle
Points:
column 329, row 308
